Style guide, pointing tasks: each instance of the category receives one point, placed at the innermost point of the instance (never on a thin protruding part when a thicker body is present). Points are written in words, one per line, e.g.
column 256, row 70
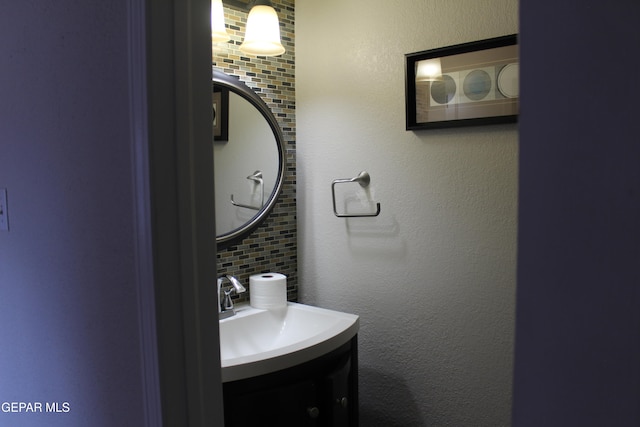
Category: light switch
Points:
column 4, row 210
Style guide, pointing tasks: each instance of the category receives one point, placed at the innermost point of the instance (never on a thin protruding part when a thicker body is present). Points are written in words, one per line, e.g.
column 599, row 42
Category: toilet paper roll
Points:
column 268, row 290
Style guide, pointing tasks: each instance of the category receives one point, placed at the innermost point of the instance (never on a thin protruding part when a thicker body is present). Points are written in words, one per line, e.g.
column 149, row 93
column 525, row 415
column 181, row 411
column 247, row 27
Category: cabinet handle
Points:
column 313, row 412
column 344, row 402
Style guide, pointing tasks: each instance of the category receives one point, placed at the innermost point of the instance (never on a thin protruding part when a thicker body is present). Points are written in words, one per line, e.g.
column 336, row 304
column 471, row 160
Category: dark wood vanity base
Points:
column 321, row 392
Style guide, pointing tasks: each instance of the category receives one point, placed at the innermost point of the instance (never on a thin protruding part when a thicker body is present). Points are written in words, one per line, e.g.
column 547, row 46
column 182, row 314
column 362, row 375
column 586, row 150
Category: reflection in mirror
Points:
column 251, row 147
column 248, row 166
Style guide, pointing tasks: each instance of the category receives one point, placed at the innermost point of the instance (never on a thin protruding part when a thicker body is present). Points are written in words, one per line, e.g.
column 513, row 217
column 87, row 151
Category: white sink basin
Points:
column 256, row 342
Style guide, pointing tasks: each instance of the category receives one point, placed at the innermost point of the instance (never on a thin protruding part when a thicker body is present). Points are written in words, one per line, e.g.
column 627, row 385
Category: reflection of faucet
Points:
column 225, row 308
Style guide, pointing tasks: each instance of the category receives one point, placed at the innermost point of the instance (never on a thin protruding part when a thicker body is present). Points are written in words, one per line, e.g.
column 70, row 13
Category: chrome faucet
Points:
column 225, row 307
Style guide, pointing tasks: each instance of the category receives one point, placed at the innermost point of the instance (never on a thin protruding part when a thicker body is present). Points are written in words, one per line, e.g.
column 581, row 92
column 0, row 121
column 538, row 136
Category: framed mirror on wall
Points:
column 249, row 159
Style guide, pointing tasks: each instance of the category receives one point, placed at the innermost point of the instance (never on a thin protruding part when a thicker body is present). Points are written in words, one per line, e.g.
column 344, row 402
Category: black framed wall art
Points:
column 220, row 104
column 469, row 84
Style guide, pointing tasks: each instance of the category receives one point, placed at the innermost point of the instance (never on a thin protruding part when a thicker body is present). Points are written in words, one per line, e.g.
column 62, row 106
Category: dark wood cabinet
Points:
column 320, row 393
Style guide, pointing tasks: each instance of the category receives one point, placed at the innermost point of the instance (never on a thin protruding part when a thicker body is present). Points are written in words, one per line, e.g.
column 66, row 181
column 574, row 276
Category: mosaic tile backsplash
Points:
column 273, row 245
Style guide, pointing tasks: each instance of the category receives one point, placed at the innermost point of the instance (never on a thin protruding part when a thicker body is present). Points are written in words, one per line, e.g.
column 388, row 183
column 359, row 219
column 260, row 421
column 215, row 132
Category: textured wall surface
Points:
column 273, row 246
column 432, row 277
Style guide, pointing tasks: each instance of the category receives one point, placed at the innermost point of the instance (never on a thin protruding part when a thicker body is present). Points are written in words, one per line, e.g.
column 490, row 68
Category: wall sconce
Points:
column 429, row 70
column 218, row 31
column 262, row 35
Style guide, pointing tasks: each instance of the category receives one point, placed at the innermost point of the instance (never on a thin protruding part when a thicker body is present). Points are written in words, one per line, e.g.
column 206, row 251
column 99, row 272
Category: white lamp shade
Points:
column 218, row 31
column 262, row 36
column 429, row 70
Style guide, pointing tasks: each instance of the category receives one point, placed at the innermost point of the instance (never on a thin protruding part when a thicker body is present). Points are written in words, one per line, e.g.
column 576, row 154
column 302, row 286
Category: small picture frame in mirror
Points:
column 220, row 102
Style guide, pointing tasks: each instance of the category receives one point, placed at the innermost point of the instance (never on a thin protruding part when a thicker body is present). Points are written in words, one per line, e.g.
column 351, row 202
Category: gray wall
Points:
column 68, row 302
column 578, row 329
column 433, row 277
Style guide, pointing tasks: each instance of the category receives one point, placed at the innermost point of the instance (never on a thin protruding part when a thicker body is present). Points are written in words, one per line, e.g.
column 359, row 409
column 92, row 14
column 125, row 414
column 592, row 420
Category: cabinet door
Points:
column 338, row 398
column 319, row 393
column 291, row 405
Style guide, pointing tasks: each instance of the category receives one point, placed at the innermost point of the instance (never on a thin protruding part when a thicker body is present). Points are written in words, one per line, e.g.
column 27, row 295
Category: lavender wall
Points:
column 68, row 308
column 578, row 305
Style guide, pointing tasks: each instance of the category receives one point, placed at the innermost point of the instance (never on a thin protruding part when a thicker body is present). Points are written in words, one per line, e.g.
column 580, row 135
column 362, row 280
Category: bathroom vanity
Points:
column 292, row 367
column 321, row 392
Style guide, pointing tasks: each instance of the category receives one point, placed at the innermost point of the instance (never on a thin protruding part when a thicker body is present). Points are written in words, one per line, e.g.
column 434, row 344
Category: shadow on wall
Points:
column 376, row 408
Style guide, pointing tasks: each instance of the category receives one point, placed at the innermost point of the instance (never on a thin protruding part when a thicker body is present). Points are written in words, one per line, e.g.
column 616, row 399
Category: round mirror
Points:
column 249, row 159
